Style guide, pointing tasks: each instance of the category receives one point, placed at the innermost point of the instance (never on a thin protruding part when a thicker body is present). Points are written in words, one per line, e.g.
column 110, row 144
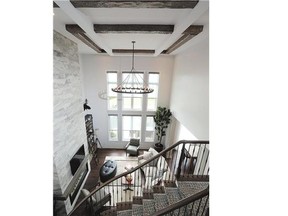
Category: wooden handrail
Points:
column 183, row 202
column 136, row 168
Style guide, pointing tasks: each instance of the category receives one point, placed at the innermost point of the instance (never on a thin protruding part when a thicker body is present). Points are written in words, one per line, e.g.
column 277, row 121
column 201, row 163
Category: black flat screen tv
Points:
column 77, row 159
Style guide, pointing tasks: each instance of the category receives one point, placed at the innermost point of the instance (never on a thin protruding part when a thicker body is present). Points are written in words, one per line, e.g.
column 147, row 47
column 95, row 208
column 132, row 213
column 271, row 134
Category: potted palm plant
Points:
column 162, row 119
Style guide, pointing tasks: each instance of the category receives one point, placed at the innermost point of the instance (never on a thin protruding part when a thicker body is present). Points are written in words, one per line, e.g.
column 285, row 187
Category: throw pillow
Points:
column 154, row 152
column 147, row 155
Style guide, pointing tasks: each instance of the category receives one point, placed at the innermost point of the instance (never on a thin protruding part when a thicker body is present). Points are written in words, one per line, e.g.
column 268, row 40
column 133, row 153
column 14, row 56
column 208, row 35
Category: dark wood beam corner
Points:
column 74, row 28
column 79, row 33
column 130, row 51
column 176, row 4
column 187, row 35
column 134, row 28
column 164, row 52
column 182, row 40
column 55, row 5
column 193, row 29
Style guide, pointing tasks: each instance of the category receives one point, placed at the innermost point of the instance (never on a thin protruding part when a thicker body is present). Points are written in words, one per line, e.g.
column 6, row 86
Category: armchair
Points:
column 132, row 147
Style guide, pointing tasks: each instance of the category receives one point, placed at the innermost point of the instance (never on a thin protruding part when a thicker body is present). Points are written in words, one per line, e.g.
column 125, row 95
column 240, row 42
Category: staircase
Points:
column 161, row 198
column 185, row 192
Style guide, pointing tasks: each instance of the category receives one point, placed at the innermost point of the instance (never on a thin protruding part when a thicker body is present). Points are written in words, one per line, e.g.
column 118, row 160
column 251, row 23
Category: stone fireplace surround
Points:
column 72, row 192
column 69, row 132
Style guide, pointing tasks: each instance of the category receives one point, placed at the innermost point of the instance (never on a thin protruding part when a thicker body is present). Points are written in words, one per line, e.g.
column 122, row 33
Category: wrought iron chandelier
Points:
column 133, row 83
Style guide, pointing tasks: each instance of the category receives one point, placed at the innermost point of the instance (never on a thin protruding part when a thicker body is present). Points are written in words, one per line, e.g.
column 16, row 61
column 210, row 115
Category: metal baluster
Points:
column 91, row 206
column 201, row 160
column 148, row 186
column 138, row 180
column 205, row 163
column 119, row 192
column 175, row 159
column 180, row 161
column 196, row 173
column 125, row 185
column 112, row 192
column 170, row 165
column 191, row 156
column 186, row 159
column 185, row 209
column 192, row 160
column 192, row 208
column 178, row 211
column 160, row 167
column 199, row 206
column 205, row 205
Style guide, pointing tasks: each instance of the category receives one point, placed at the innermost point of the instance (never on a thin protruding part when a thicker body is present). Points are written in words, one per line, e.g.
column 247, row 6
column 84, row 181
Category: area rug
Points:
column 122, row 162
column 117, row 188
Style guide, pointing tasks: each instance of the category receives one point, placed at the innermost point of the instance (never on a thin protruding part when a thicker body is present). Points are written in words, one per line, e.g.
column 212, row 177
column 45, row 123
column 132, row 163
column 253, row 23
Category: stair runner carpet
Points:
column 161, row 200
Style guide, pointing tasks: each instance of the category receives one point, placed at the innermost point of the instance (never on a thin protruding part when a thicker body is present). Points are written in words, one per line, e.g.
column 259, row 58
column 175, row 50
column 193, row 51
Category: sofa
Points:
column 156, row 171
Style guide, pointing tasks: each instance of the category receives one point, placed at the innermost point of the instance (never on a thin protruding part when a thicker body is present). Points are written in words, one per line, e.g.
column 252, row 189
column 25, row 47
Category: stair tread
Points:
column 188, row 188
column 173, row 195
column 137, row 209
column 148, row 207
column 124, row 213
column 160, row 201
column 109, row 212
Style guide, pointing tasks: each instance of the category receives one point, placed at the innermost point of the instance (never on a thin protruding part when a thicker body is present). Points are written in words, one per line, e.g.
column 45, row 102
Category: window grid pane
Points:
column 132, row 102
column 149, row 133
column 131, row 127
column 112, row 102
column 152, row 98
column 113, row 128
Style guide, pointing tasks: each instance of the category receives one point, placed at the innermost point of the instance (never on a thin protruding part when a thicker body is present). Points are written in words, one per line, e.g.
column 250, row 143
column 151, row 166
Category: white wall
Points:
column 190, row 89
column 94, row 69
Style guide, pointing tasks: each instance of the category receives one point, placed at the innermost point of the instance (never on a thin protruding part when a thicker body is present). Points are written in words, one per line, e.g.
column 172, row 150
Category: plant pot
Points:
column 158, row 147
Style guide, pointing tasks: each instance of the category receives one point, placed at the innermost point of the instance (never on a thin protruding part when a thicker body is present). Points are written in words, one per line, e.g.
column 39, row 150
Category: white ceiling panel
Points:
column 141, row 16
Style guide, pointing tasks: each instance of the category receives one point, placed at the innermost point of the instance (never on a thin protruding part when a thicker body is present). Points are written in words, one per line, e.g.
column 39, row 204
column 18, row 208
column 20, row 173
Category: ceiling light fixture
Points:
column 133, row 83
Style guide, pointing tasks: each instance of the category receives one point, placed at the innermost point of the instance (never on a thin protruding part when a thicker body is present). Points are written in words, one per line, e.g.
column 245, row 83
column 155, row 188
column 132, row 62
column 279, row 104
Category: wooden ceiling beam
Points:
column 188, row 34
column 173, row 4
column 182, row 25
column 134, row 28
column 193, row 30
column 86, row 24
column 136, row 51
column 80, row 34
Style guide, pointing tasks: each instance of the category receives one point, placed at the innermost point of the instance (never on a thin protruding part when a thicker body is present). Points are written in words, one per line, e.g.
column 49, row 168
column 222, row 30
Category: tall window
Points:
column 132, row 117
column 132, row 101
column 152, row 97
column 113, row 127
column 131, row 127
column 150, row 129
column 111, row 96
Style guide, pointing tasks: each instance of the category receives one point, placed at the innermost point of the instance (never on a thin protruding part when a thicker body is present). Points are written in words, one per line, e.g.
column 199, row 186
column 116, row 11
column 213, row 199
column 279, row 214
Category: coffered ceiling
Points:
column 108, row 27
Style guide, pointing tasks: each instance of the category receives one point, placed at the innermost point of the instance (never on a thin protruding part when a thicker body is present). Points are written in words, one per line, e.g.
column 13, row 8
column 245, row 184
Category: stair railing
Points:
column 194, row 205
column 184, row 160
